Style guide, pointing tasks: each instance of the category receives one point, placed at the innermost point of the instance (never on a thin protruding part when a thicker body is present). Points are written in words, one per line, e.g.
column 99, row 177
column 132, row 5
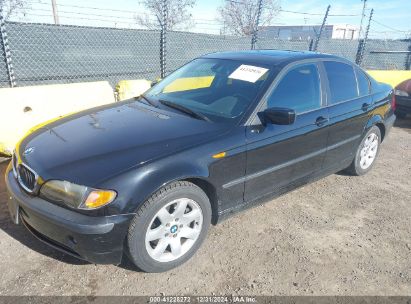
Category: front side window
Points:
column 342, row 81
column 299, row 90
column 222, row 90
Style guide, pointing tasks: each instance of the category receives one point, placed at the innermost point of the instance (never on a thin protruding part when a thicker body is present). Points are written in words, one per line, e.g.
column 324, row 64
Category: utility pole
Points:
column 362, row 17
column 55, row 13
column 317, row 40
column 257, row 24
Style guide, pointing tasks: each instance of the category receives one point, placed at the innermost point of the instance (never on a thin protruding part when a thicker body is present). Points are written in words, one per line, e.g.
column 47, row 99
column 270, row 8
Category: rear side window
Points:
column 299, row 90
column 342, row 81
column 363, row 83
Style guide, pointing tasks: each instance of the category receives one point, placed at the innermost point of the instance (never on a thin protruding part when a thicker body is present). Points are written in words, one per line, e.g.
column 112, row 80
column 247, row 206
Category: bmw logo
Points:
column 173, row 229
column 28, row 151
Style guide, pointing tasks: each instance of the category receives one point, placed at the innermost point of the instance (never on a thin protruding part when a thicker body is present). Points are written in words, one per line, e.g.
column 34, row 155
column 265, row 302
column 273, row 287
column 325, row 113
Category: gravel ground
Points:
column 339, row 236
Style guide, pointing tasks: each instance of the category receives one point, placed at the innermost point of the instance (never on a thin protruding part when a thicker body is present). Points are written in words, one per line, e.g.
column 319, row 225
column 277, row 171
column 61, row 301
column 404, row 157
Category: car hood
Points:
column 95, row 144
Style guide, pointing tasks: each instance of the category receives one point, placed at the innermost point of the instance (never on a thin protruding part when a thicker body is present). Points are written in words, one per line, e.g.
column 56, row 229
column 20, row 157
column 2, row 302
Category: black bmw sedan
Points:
column 146, row 177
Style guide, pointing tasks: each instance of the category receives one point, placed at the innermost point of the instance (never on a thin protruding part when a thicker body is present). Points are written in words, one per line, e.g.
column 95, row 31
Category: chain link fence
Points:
column 48, row 53
column 388, row 55
column 184, row 46
column 45, row 53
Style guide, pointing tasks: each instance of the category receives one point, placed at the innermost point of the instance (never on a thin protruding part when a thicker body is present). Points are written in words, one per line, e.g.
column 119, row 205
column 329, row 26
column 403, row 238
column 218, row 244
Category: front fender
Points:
column 137, row 185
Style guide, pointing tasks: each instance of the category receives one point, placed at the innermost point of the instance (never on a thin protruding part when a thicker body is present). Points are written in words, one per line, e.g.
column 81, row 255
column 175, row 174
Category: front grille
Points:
column 27, row 178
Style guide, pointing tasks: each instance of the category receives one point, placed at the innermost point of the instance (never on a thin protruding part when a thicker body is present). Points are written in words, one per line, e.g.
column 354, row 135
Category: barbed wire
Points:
column 72, row 12
column 320, row 14
column 389, row 27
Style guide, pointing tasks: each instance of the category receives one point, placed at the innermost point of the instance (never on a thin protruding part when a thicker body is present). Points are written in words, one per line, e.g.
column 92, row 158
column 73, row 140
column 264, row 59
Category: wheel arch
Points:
column 151, row 180
column 210, row 190
column 377, row 121
column 381, row 126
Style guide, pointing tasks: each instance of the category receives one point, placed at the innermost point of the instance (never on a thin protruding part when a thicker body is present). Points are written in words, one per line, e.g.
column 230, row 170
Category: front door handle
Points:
column 320, row 121
column 365, row 106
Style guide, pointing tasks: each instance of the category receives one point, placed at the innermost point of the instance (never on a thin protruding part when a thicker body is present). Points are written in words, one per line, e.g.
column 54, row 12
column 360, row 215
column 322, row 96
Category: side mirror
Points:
column 279, row 116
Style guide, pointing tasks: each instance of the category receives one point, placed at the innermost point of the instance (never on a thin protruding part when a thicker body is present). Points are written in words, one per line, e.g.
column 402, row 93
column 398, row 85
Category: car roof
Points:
column 270, row 57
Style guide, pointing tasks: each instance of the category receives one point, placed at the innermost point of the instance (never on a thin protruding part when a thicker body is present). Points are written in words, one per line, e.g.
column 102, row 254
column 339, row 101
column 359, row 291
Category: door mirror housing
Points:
column 279, row 116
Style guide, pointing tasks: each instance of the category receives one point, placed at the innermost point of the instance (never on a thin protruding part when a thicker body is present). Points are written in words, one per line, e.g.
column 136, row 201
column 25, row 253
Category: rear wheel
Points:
column 366, row 153
column 169, row 227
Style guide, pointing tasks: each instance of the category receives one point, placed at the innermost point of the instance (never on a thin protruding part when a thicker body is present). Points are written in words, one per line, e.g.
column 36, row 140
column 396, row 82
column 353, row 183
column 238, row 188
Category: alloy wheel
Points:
column 173, row 230
column 369, row 151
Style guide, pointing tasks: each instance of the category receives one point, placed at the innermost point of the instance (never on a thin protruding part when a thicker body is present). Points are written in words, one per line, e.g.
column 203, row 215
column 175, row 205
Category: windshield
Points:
column 220, row 90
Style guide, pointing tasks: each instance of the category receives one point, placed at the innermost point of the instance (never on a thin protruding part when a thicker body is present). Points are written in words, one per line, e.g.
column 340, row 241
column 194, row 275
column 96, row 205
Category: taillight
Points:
column 393, row 102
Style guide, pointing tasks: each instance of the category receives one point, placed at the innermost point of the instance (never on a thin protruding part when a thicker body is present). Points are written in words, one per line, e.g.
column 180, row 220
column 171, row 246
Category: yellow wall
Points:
column 131, row 88
column 189, row 83
column 46, row 102
column 393, row 77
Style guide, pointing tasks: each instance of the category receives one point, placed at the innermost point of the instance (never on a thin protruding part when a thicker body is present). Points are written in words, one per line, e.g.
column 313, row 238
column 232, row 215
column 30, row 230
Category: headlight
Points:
column 401, row 93
column 76, row 196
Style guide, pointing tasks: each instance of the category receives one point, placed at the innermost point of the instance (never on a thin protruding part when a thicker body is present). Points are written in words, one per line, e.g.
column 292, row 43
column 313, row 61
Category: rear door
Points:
column 349, row 105
column 278, row 155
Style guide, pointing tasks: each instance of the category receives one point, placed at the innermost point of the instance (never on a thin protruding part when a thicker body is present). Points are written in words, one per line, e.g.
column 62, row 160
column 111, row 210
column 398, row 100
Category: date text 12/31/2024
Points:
column 203, row 299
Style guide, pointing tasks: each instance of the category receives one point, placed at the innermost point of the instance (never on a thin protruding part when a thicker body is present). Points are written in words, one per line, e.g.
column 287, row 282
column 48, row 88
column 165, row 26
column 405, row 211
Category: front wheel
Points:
column 169, row 227
column 366, row 153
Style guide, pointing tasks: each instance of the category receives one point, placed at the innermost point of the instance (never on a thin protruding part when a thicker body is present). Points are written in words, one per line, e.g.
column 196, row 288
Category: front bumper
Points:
column 98, row 240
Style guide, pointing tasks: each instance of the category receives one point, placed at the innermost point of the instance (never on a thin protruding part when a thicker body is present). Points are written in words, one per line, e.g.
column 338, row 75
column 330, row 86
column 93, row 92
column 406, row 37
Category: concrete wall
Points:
column 23, row 108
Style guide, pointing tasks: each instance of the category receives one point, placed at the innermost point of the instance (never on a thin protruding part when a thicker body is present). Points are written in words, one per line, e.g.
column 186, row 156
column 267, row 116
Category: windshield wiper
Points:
column 184, row 109
column 150, row 102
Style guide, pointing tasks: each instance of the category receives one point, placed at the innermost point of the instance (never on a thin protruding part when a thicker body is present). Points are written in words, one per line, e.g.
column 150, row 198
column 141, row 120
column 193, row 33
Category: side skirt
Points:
column 227, row 213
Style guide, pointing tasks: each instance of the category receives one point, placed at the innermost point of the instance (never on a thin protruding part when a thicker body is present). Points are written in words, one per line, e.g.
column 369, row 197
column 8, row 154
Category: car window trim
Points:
column 356, row 81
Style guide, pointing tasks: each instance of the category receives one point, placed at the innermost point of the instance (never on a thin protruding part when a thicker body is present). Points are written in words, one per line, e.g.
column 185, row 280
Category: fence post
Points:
column 257, row 24
column 163, row 32
column 359, row 50
column 407, row 64
column 317, row 39
column 363, row 42
column 4, row 43
column 310, row 47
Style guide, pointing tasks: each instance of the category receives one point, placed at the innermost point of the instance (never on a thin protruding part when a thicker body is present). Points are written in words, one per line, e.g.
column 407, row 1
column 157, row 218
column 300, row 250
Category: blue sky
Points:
column 393, row 18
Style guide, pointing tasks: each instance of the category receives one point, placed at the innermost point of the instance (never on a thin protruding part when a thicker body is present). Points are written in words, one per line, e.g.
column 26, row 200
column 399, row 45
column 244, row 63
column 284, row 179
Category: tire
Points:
column 363, row 162
column 163, row 222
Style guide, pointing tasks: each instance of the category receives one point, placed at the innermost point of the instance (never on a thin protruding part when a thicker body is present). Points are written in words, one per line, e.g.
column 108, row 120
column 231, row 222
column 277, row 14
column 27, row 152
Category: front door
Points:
column 279, row 155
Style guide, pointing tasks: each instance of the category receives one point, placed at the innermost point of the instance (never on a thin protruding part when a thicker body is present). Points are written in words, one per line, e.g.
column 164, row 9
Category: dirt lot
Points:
column 339, row 236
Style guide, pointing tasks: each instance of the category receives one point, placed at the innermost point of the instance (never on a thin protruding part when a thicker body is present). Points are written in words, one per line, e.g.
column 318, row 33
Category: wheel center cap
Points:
column 174, row 229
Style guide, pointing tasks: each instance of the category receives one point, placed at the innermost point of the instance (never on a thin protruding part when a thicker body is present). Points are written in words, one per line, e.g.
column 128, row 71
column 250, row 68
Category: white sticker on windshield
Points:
column 248, row 73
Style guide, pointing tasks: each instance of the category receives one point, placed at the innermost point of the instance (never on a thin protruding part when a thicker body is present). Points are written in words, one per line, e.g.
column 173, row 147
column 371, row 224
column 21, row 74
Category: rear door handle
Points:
column 365, row 106
column 320, row 121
